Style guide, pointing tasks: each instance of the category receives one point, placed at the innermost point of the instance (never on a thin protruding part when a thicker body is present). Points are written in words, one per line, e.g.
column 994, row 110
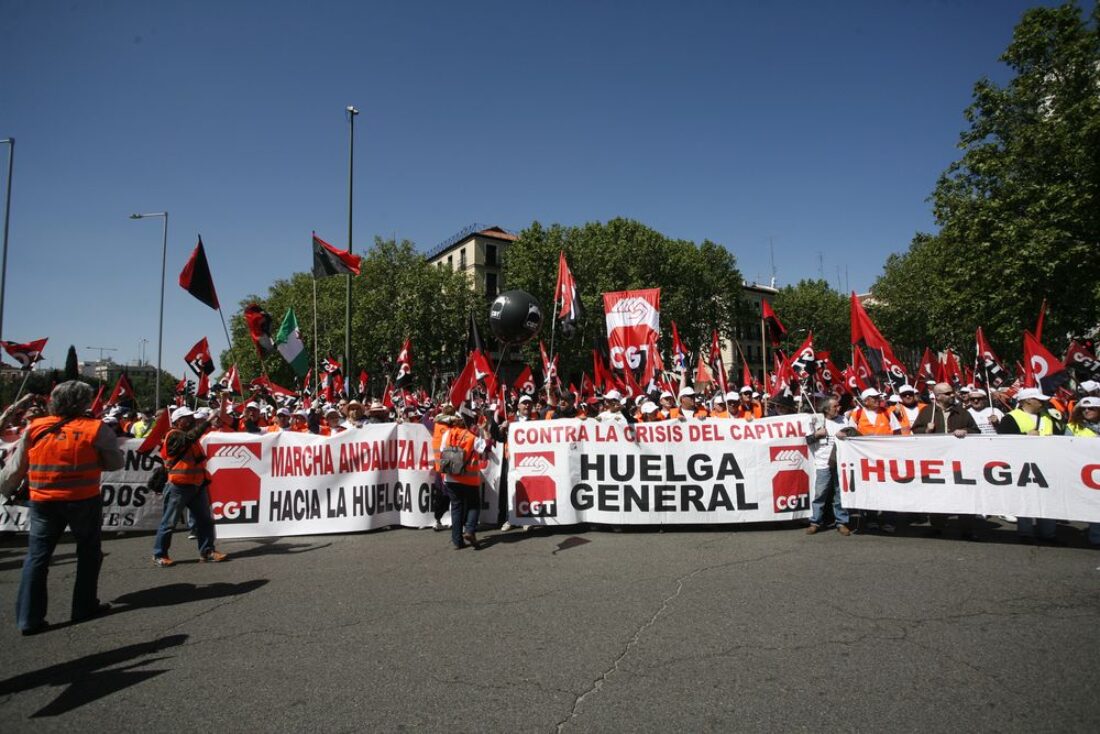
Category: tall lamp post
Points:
column 160, row 331
column 7, row 215
column 352, row 112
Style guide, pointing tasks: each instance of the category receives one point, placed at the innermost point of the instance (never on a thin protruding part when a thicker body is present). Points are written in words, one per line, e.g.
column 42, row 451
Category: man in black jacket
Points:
column 945, row 416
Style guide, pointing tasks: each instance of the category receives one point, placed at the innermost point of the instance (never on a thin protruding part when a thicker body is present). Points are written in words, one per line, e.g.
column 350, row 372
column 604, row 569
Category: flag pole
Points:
column 316, row 340
column 352, row 112
column 553, row 327
column 22, row 386
column 763, row 347
column 225, row 328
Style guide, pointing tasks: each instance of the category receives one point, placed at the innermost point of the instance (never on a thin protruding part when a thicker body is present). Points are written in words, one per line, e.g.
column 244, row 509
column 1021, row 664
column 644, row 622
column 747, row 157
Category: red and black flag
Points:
column 329, row 260
column 525, row 383
column 804, row 362
column 404, row 365
column 988, row 367
column 717, row 364
column 1042, row 369
column 549, row 368
column 199, row 359
column 123, row 391
column 330, row 366
column 363, row 379
column 196, row 279
column 926, row 370
column 231, row 381
column 26, row 354
column 772, row 325
column 259, row 328
column 1081, row 359
column 566, row 298
column 679, row 351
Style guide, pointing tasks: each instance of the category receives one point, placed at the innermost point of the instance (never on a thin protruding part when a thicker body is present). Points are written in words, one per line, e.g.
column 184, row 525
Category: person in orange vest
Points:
column 463, row 487
column 61, row 457
column 747, row 408
column 334, row 421
column 439, row 496
column 687, row 407
column 718, row 406
column 872, row 418
column 282, row 421
column 184, row 458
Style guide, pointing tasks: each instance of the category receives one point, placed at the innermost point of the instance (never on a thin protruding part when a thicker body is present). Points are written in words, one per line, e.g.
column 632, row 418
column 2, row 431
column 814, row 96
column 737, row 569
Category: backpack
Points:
column 452, row 459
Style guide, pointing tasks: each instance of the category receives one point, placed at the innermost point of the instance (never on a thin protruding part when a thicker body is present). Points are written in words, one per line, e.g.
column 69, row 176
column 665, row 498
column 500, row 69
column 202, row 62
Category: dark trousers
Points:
column 46, row 523
column 465, row 508
column 440, row 502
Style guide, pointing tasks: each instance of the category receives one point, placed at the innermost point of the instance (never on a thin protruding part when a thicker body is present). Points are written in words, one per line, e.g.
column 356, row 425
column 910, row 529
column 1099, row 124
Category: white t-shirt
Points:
column 611, row 417
column 981, row 417
column 823, row 448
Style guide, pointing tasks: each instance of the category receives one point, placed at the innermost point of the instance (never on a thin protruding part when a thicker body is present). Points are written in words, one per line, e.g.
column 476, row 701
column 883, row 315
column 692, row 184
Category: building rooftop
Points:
column 483, row 230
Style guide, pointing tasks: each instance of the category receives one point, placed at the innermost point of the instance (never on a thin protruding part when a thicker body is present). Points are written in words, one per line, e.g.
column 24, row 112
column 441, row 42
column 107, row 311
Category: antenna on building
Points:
column 771, row 249
column 102, row 350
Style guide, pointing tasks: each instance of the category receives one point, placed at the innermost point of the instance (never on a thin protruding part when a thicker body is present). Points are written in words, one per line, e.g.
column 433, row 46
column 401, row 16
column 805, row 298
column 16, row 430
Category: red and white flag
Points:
column 525, row 383
column 404, row 365
column 1084, row 361
column 123, row 391
column 679, row 351
column 26, row 354
column 231, row 381
column 1043, row 369
column 549, row 368
column 633, row 326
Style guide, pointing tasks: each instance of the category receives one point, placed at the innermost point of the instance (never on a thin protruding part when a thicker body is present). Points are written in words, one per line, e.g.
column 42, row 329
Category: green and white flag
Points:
column 289, row 343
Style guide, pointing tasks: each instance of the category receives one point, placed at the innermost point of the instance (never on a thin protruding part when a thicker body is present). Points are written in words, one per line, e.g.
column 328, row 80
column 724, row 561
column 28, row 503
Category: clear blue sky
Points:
column 820, row 125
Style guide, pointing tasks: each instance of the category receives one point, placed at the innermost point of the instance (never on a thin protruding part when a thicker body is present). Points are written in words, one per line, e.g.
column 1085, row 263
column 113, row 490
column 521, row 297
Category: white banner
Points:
column 276, row 484
column 1027, row 476
column 564, row 472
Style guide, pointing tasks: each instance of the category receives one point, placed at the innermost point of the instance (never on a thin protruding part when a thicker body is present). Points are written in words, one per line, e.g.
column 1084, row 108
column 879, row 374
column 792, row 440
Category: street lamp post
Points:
column 7, row 216
column 160, row 328
column 352, row 112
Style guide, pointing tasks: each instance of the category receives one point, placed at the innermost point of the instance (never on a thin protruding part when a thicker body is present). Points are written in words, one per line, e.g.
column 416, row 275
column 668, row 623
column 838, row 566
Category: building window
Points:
column 491, row 285
column 462, row 258
column 451, row 262
column 490, row 254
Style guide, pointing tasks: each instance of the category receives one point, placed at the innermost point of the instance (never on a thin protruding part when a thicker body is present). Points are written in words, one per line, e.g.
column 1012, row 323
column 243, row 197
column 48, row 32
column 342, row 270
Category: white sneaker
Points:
column 438, row 526
column 506, row 527
column 1008, row 518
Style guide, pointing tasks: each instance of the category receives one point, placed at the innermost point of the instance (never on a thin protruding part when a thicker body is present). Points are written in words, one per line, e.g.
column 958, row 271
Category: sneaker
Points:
column 438, row 526
column 812, row 529
column 844, row 530
column 506, row 527
column 163, row 562
column 192, row 536
column 1008, row 518
column 213, row 557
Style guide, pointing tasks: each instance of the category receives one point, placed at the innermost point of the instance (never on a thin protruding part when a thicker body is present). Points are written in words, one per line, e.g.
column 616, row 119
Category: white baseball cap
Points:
column 687, row 392
column 525, row 399
column 1090, row 385
column 869, row 393
column 746, row 388
column 719, row 398
column 613, row 395
column 667, row 394
column 1030, row 393
column 1089, row 402
column 649, row 407
column 182, row 412
column 907, row 388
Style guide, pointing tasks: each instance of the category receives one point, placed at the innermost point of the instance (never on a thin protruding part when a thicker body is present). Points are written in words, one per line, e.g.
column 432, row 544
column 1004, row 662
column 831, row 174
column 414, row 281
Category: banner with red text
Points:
column 1027, row 476
column 715, row 471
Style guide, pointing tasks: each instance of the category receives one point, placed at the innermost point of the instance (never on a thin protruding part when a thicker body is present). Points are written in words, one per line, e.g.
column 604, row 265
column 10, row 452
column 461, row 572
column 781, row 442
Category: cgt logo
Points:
column 536, row 490
column 235, row 482
column 791, row 484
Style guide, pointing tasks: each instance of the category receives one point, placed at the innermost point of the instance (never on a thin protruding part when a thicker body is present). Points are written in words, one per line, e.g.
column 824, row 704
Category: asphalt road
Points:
column 753, row 628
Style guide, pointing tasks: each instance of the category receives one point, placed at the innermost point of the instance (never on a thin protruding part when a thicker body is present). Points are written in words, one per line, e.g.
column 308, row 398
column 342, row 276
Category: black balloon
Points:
column 515, row 317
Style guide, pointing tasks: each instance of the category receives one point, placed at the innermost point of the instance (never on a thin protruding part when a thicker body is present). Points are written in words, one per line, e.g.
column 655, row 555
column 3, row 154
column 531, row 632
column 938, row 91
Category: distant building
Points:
column 108, row 371
column 476, row 251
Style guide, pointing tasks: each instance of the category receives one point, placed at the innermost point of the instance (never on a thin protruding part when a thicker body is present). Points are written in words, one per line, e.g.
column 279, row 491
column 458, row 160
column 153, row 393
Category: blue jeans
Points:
column 195, row 498
column 824, row 486
column 465, row 505
column 1043, row 528
column 46, row 523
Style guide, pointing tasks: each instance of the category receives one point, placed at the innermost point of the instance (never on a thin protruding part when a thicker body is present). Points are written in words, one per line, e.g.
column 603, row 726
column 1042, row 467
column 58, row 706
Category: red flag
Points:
column 97, row 404
column 196, row 279
column 852, row 381
column 927, row 369
column 464, row 383
column 952, row 369
column 566, row 299
column 781, row 379
column 549, row 368
column 774, row 327
column 199, row 359
column 26, row 354
column 988, row 366
column 331, row 366
column 156, row 433
column 702, row 374
column 328, row 260
column 204, row 386
column 484, row 371
column 895, row 371
column 804, row 361
column 123, row 390
column 864, row 331
column 746, row 374
column 259, row 328
column 587, row 389
column 404, row 365
column 525, row 383
column 307, row 384
column 231, row 381
column 862, row 369
column 1043, row 369
column 1081, row 359
column 679, row 351
column 363, row 379
column 716, row 363
column 264, row 382
column 387, row 397
column 601, row 375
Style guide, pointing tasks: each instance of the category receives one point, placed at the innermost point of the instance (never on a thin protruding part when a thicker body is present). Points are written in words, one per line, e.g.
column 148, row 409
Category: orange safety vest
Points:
column 903, row 419
column 881, row 426
column 463, row 439
column 721, row 414
column 700, row 412
column 741, row 410
column 437, row 439
column 63, row 466
column 188, row 469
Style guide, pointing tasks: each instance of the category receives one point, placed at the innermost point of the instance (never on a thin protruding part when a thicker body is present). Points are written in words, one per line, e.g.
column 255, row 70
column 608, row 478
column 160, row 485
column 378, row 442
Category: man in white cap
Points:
column 872, row 418
column 687, row 407
column 282, row 421
column 718, row 407
column 185, row 460
column 251, row 421
column 612, row 408
column 1030, row 418
column 985, row 416
column 909, row 404
column 746, row 408
column 523, row 410
column 667, row 404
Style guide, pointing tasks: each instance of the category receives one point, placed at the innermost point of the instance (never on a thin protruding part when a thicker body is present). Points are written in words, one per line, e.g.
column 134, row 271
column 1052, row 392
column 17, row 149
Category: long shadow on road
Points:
column 92, row 677
column 172, row 594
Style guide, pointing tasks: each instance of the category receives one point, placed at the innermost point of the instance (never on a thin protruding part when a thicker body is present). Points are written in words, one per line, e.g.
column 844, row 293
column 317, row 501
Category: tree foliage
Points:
column 396, row 295
column 700, row 284
column 812, row 305
column 1019, row 212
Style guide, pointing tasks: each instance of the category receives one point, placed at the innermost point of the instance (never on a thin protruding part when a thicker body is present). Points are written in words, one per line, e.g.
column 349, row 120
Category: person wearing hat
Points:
column 1084, row 422
column 746, row 408
column 251, row 421
column 666, row 404
column 1031, row 418
column 184, row 458
column 61, row 457
column 613, row 409
column 282, row 421
column 688, row 408
column 985, row 416
column 439, row 502
column 909, row 405
column 355, row 414
column 377, row 413
column 141, row 426
column 718, row 406
column 523, row 409
column 649, row 412
column 872, row 418
column 463, row 487
column 299, row 421
column 334, row 421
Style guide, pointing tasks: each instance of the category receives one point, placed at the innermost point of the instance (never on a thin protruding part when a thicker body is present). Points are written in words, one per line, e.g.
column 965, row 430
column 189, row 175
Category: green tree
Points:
column 1019, row 213
column 700, row 284
column 72, row 365
column 812, row 305
column 396, row 295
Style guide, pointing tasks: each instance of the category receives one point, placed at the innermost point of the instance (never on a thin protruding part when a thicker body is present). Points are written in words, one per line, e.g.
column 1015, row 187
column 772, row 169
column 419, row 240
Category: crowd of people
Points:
column 60, row 449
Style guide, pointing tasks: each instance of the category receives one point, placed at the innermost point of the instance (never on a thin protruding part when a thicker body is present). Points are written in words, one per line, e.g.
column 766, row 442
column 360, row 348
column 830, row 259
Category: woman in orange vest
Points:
column 463, row 488
column 184, row 459
column 61, row 457
column 439, row 496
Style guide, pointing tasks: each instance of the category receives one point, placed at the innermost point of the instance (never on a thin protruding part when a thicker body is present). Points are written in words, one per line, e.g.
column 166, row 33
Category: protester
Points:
column 184, row 460
column 1084, row 422
column 61, row 457
column 1030, row 418
column 829, row 426
column 282, row 421
column 463, row 487
column 985, row 416
column 873, row 418
column 439, row 501
column 746, row 408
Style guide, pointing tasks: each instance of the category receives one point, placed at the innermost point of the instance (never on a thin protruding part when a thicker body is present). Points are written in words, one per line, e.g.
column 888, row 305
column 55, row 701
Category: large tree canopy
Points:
column 813, row 306
column 700, row 284
column 1019, row 212
column 397, row 295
